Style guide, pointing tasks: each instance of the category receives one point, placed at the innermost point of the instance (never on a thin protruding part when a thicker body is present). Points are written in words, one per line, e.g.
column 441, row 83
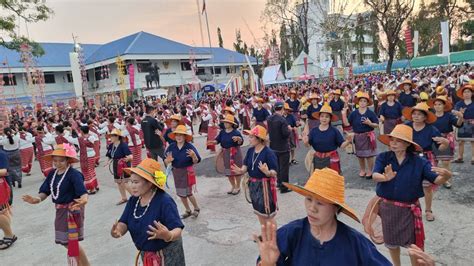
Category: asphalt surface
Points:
column 221, row 235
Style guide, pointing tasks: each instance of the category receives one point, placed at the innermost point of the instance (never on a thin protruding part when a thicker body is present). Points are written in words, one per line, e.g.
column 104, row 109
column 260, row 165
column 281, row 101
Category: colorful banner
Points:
column 408, row 41
column 131, row 76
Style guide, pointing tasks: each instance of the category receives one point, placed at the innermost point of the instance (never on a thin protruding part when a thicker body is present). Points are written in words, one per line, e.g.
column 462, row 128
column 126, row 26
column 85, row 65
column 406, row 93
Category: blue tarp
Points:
column 399, row 64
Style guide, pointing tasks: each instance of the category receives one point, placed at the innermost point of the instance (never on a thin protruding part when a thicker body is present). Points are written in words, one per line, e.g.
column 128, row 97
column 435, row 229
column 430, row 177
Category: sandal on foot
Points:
column 447, row 185
column 458, row 161
column 121, row 202
column 230, row 192
column 186, row 214
column 196, row 213
column 7, row 242
column 429, row 215
column 362, row 174
column 236, row 192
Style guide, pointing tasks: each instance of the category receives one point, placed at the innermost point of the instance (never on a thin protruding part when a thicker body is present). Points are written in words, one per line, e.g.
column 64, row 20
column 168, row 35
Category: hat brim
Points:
column 49, row 157
column 407, row 113
column 313, row 98
column 169, row 120
column 385, row 96
column 447, row 104
column 460, row 91
column 334, row 117
column 385, row 139
column 302, row 191
column 228, row 121
column 172, row 136
column 400, row 87
column 370, row 102
column 248, row 132
column 143, row 175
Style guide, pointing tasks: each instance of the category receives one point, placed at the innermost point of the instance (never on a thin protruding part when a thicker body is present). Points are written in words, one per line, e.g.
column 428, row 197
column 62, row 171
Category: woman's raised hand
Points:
column 267, row 244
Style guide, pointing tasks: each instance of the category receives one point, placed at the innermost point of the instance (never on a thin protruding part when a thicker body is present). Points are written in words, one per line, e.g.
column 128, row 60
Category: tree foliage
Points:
column 31, row 11
column 219, row 37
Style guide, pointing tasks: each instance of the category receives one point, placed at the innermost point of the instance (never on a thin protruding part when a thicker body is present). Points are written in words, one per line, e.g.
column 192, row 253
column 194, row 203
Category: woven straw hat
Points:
column 388, row 93
column 286, row 106
column 181, row 129
column 325, row 185
column 440, row 90
column 447, row 104
column 63, row 150
column 258, row 131
column 461, row 90
column 400, row 87
column 116, row 132
column 230, row 110
column 175, row 118
column 150, row 170
column 229, row 119
column 313, row 96
column 365, row 95
column 402, row 132
column 430, row 117
column 259, row 100
column 326, row 108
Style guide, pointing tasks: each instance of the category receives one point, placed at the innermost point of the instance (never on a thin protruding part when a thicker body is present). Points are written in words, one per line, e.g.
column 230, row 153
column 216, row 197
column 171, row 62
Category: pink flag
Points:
column 305, row 60
column 131, row 76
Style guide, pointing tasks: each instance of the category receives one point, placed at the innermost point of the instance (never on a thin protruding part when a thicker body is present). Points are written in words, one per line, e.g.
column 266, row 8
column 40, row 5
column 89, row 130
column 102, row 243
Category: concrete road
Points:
column 221, row 234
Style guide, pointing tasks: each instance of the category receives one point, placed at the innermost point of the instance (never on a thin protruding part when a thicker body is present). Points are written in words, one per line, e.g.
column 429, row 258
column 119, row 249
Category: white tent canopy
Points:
column 272, row 75
column 298, row 67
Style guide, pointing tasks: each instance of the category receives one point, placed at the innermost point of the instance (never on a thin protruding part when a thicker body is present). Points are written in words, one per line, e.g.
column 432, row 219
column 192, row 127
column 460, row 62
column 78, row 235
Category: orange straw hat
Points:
column 402, row 132
column 326, row 108
column 440, row 90
column 447, row 104
column 365, row 95
column 230, row 110
column 430, row 117
column 181, row 129
column 388, row 93
column 313, row 96
column 259, row 100
column 229, row 119
column 175, row 118
column 287, row 107
column 463, row 88
column 150, row 170
column 400, row 87
column 325, row 185
column 258, row 131
column 63, row 150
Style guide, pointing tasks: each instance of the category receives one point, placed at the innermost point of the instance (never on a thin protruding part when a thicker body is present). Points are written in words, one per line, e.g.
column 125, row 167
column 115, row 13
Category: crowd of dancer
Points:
column 424, row 117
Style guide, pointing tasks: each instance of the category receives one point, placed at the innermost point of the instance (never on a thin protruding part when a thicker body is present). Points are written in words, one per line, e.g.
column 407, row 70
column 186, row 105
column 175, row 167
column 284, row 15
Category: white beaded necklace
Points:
column 55, row 197
column 146, row 209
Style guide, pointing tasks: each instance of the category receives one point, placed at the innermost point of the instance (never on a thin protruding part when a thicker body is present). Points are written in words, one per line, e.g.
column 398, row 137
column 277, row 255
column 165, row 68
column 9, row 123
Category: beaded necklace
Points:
column 55, row 197
column 146, row 208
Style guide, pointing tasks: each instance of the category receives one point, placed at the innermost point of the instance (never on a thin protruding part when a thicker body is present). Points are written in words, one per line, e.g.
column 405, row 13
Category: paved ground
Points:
column 221, row 234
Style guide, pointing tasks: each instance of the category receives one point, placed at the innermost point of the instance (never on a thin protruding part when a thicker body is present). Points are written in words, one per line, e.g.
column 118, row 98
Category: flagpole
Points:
column 200, row 23
column 210, row 45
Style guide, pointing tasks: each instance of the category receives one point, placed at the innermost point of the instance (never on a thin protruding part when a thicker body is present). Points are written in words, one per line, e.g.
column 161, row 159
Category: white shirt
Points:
column 27, row 142
column 90, row 151
column 125, row 133
column 5, row 142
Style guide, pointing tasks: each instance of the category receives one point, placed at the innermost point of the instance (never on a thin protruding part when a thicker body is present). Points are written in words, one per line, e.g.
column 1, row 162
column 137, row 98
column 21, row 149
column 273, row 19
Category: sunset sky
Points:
column 101, row 21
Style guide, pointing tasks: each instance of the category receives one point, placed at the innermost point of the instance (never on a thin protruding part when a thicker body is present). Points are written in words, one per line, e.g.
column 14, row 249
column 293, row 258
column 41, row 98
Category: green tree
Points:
column 374, row 33
column 219, row 37
column 467, row 28
column 12, row 11
column 238, row 44
column 427, row 24
column 359, row 39
column 285, row 50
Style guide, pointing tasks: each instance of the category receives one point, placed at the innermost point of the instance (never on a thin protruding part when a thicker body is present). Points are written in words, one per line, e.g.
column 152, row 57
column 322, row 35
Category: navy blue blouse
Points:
column 424, row 137
column 162, row 209
column 336, row 106
column 355, row 119
column 348, row 247
column 71, row 188
column 407, row 185
column 225, row 139
column 167, row 137
column 260, row 115
column 311, row 109
column 391, row 112
column 252, row 160
column 325, row 141
column 180, row 156
column 446, row 122
column 121, row 151
column 291, row 119
column 407, row 100
column 294, row 105
column 469, row 112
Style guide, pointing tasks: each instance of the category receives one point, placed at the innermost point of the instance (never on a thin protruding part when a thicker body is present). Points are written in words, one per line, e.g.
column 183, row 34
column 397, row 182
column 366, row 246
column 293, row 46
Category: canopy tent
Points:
column 155, row 92
column 437, row 60
column 304, row 65
column 381, row 67
column 272, row 75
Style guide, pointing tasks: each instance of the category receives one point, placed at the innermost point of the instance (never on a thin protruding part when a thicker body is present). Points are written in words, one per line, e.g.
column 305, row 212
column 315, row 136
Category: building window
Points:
column 201, row 71
column 185, row 66
column 9, row 80
column 69, row 77
column 230, row 69
column 99, row 73
column 49, row 78
column 218, row 70
column 144, row 66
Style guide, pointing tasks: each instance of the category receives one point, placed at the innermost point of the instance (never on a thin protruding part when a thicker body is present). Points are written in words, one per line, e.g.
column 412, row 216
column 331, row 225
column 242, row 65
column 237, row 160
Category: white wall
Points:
column 21, row 89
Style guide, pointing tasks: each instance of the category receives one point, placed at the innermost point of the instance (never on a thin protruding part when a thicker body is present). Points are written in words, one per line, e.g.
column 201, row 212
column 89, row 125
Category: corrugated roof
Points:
column 56, row 55
column 140, row 43
column 224, row 56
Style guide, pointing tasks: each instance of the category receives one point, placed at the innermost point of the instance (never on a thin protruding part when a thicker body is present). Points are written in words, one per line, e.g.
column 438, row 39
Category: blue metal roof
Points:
column 225, row 56
column 55, row 55
column 140, row 43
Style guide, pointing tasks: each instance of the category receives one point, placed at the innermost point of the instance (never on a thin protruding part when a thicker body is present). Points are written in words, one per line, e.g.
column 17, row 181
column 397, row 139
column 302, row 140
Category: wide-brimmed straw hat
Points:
column 460, row 91
column 287, row 107
column 388, row 93
column 229, row 119
column 175, row 118
column 230, row 110
column 326, row 108
column 63, row 150
column 259, row 100
column 150, row 170
column 400, row 86
column 365, row 95
column 325, row 185
column 402, row 132
column 430, row 117
column 440, row 90
column 258, row 131
column 447, row 104
column 313, row 96
column 116, row 132
column 181, row 129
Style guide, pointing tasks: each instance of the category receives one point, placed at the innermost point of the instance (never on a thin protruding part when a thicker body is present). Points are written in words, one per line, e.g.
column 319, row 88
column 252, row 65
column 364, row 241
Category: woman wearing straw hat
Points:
column 427, row 136
column 260, row 114
column 325, row 139
column 446, row 119
column 151, row 217
column 363, row 122
column 400, row 174
column 172, row 123
column 319, row 238
column 390, row 113
column 183, row 155
column 261, row 164
column 6, row 200
column 294, row 137
column 466, row 132
column 337, row 104
column 230, row 140
column 66, row 187
column 407, row 97
column 120, row 156
column 314, row 107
